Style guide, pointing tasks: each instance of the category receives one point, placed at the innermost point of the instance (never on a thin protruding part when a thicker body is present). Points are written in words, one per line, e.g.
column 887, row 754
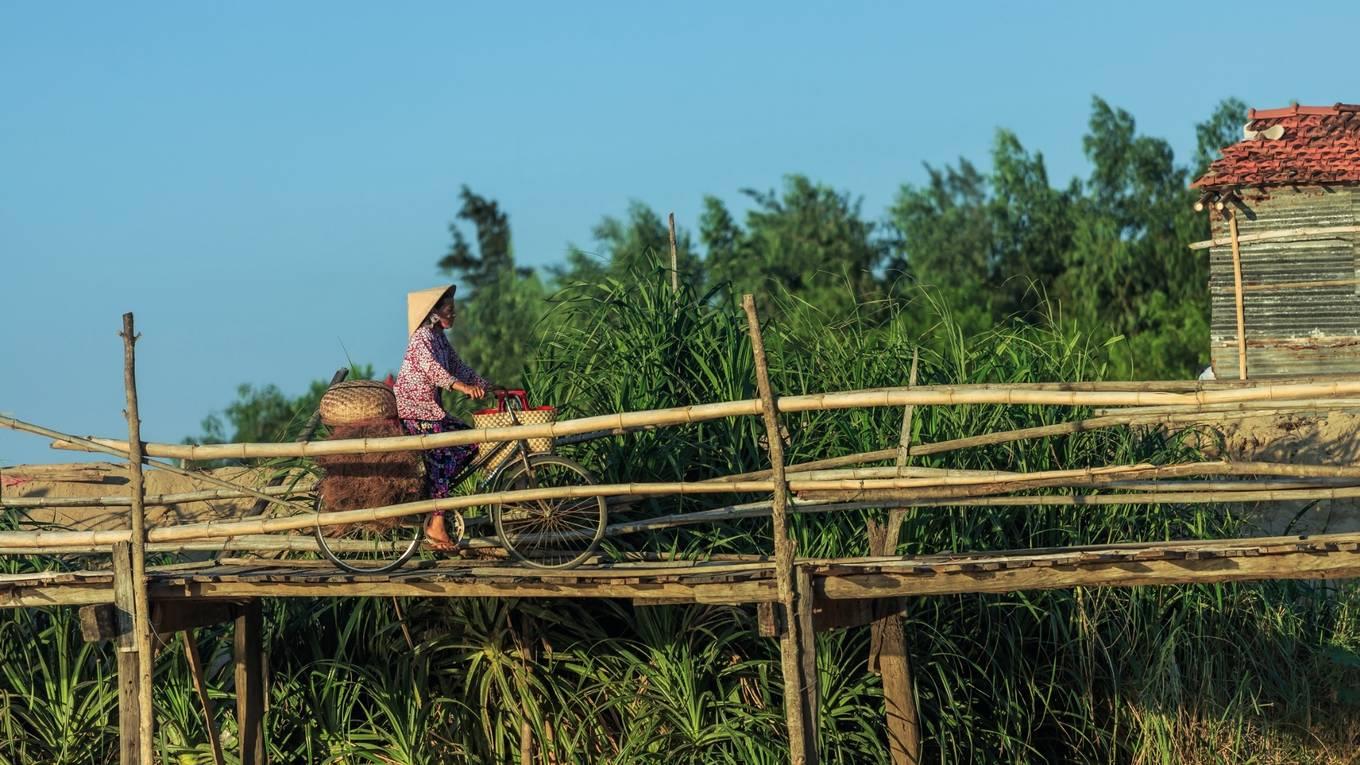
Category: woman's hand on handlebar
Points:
column 471, row 391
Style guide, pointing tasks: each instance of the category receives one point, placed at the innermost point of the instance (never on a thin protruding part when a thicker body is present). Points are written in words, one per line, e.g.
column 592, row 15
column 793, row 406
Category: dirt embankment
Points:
column 1320, row 438
column 104, row 479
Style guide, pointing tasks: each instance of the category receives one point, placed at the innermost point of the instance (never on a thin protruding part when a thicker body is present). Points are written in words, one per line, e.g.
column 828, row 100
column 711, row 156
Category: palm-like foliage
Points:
column 59, row 700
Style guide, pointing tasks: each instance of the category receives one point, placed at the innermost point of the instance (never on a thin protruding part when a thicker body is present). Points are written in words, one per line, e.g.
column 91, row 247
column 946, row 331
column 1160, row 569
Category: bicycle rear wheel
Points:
column 370, row 548
column 549, row 533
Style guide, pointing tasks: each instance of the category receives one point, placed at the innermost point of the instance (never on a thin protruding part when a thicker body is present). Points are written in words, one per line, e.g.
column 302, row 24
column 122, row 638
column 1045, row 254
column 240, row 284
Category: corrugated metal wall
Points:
column 1292, row 327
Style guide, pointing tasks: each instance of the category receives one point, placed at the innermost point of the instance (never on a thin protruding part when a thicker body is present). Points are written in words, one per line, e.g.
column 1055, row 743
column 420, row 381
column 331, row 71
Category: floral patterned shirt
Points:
column 430, row 363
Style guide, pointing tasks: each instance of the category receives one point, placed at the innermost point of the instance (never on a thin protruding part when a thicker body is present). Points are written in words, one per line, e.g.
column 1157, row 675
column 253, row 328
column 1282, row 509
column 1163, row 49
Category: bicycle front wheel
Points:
column 549, row 533
column 370, row 548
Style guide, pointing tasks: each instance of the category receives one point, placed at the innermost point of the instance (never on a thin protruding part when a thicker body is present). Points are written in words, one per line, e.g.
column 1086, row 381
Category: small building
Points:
column 1286, row 199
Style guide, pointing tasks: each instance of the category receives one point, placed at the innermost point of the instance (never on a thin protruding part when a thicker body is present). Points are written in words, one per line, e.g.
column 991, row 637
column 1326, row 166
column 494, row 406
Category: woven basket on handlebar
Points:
column 505, row 417
column 356, row 401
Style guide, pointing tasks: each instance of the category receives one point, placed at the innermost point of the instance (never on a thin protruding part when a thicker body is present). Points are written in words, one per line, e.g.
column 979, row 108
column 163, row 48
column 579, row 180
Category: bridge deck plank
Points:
column 1123, row 564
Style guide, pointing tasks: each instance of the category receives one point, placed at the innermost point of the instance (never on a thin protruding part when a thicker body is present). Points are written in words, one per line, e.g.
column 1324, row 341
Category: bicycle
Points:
column 552, row 533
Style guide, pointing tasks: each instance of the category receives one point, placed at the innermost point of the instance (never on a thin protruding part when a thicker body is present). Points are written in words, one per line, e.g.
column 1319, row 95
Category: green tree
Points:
column 807, row 240
column 1110, row 251
column 944, row 236
column 1032, row 224
column 499, row 304
column 493, row 254
column 637, row 243
column 1129, row 271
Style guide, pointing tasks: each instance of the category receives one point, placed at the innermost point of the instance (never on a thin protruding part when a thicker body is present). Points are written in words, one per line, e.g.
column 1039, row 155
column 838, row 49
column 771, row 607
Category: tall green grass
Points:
column 1214, row 673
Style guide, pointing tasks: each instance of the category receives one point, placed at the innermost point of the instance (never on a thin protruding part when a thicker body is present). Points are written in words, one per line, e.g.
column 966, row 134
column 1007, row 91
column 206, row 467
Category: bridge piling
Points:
column 125, row 649
column 248, row 653
column 797, row 648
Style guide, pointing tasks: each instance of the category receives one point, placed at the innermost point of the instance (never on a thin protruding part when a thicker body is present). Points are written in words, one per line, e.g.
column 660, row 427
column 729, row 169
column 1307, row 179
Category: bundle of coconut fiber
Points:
column 357, row 481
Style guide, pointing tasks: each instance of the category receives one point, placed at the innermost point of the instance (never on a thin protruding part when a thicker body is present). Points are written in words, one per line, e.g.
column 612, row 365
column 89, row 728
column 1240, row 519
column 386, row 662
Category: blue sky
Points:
column 261, row 183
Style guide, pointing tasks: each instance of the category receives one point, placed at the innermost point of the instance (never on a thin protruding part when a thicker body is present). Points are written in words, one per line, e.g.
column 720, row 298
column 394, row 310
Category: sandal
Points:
column 439, row 545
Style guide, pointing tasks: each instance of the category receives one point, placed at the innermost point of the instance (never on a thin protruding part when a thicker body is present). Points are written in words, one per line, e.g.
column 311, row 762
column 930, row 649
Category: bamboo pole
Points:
column 910, row 471
column 137, row 489
column 805, row 504
column 242, row 543
column 884, row 397
column 1145, row 416
column 877, row 498
column 798, row 686
column 152, row 500
column 1080, row 426
column 872, row 473
column 1237, row 299
column 1249, row 407
column 814, row 465
column 904, row 438
column 675, row 258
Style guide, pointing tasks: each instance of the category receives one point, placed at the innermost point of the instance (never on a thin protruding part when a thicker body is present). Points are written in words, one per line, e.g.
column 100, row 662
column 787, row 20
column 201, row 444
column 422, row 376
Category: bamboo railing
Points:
column 879, row 485
column 1298, row 393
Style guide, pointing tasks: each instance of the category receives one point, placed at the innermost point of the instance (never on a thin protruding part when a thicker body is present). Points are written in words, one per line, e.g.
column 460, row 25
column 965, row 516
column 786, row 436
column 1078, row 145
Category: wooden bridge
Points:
column 794, row 597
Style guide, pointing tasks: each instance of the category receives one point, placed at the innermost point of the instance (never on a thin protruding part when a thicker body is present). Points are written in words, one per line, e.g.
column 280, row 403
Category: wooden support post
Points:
column 248, row 648
column 899, row 699
column 201, row 685
column 125, row 649
column 142, row 608
column 675, row 259
column 1237, row 298
column 807, row 654
column 800, row 687
column 887, row 641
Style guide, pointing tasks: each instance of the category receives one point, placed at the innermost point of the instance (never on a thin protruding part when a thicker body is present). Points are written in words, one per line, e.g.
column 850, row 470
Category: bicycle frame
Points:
column 521, row 456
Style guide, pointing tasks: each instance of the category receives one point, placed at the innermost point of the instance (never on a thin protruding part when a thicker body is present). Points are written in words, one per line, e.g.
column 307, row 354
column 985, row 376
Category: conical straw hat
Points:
column 419, row 304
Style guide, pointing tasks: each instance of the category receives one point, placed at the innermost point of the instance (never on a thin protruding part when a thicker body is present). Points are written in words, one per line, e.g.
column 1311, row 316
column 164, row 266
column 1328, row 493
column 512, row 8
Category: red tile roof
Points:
column 1320, row 144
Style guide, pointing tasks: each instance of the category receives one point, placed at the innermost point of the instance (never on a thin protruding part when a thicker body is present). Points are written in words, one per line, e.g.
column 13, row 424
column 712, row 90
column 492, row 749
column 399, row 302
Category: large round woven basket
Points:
column 357, row 400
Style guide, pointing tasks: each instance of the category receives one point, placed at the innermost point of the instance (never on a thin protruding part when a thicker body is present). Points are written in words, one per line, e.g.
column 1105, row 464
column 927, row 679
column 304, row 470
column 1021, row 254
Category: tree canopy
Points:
column 991, row 242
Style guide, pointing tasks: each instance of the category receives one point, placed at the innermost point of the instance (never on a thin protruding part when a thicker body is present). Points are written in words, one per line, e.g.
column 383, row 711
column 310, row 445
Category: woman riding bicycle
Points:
column 430, row 365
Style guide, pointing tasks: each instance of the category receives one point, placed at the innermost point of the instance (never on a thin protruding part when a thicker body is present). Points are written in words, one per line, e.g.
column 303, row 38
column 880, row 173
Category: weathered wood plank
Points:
column 733, row 593
column 1309, row 565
